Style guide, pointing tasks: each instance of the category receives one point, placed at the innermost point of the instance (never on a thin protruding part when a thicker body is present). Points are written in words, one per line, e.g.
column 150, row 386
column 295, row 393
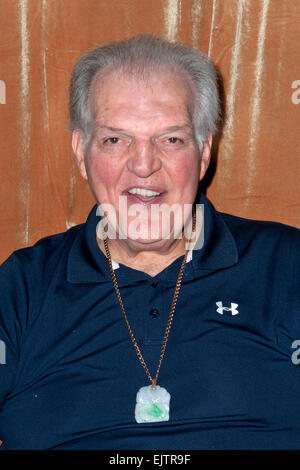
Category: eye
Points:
column 174, row 140
column 112, row 140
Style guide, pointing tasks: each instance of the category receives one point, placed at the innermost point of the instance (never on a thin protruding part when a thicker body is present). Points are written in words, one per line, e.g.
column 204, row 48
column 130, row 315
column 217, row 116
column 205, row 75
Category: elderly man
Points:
column 135, row 334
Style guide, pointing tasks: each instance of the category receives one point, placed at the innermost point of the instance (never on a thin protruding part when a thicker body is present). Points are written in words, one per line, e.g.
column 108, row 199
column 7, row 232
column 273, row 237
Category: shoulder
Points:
column 45, row 254
column 26, row 276
column 266, row 245
column 260, row 233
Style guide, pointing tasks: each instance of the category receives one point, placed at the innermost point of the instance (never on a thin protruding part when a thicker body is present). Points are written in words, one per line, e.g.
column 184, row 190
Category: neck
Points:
column 149, row 259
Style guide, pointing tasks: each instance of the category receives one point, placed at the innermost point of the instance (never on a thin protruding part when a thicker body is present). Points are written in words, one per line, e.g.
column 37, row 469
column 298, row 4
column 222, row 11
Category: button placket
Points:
column 156, row 318
column 154, row 312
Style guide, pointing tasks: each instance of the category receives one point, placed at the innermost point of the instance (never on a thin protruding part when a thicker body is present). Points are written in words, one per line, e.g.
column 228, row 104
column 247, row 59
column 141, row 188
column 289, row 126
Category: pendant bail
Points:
column 153, row 384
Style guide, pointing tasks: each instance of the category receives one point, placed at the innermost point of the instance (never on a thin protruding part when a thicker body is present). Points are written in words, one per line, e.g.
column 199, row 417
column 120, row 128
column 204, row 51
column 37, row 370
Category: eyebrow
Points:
column 114, row 129
column 178, row 128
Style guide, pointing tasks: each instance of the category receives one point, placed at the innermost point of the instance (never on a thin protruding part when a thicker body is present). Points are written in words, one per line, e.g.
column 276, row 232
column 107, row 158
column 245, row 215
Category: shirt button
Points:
column 154, row 284
column 154, row 313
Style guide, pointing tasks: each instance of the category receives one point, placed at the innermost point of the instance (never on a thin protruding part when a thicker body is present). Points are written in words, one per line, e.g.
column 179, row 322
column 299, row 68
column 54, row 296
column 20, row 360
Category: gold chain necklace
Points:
column 152, row 402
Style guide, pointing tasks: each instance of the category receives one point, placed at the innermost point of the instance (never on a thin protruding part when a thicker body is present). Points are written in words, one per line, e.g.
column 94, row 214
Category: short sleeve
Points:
column 296, row 303
column 14, row 290
column 296, row 253
column 288, row 319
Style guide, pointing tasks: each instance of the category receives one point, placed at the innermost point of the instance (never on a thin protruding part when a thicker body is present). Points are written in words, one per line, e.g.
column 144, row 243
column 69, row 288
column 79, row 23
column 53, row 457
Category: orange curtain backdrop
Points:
column 254, row 43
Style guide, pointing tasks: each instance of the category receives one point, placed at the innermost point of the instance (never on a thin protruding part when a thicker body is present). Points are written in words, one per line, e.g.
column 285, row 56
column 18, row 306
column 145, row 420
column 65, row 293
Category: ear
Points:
column 77, row 145
column 205, row 157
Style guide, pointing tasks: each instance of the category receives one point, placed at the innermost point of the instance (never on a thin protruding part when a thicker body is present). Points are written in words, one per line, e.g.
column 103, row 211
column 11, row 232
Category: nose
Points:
column 144, row 159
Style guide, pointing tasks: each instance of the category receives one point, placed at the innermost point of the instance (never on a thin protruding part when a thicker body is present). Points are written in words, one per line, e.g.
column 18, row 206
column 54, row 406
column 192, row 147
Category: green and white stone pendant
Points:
column 152, row 404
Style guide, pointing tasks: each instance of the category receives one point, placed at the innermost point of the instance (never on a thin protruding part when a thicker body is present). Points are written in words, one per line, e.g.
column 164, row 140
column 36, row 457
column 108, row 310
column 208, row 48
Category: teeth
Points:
column 143, row 192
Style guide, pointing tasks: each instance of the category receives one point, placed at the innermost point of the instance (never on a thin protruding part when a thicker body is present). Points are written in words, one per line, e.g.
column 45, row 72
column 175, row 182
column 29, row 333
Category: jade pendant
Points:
column 152, row 405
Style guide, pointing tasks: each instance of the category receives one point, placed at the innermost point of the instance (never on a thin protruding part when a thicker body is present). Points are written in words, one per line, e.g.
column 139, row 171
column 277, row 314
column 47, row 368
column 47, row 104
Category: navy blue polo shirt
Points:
column 71, row 373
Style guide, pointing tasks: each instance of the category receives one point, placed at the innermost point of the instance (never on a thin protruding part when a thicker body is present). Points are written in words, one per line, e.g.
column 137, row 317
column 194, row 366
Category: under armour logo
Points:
column 232, row 308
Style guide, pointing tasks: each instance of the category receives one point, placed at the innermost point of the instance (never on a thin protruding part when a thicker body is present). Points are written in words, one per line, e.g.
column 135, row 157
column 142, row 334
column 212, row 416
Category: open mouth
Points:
column 144, row 194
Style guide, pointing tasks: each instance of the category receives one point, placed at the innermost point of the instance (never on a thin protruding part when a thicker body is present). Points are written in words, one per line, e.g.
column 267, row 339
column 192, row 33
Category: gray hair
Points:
column 141, row 55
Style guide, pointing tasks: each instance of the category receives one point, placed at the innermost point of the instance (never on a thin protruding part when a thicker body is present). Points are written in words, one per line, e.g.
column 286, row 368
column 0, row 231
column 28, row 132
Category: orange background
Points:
column 254, row 43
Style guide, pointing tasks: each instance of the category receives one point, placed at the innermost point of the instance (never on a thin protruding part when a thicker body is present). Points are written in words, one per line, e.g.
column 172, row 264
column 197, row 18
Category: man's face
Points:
column 142, row 148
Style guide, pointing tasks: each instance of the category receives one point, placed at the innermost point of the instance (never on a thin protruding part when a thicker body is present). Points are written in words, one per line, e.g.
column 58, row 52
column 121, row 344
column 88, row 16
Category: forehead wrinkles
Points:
column 144, row 90
column 143, row 120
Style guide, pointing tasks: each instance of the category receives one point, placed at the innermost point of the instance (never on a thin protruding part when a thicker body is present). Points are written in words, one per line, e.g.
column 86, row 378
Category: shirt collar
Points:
column 87, row 263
